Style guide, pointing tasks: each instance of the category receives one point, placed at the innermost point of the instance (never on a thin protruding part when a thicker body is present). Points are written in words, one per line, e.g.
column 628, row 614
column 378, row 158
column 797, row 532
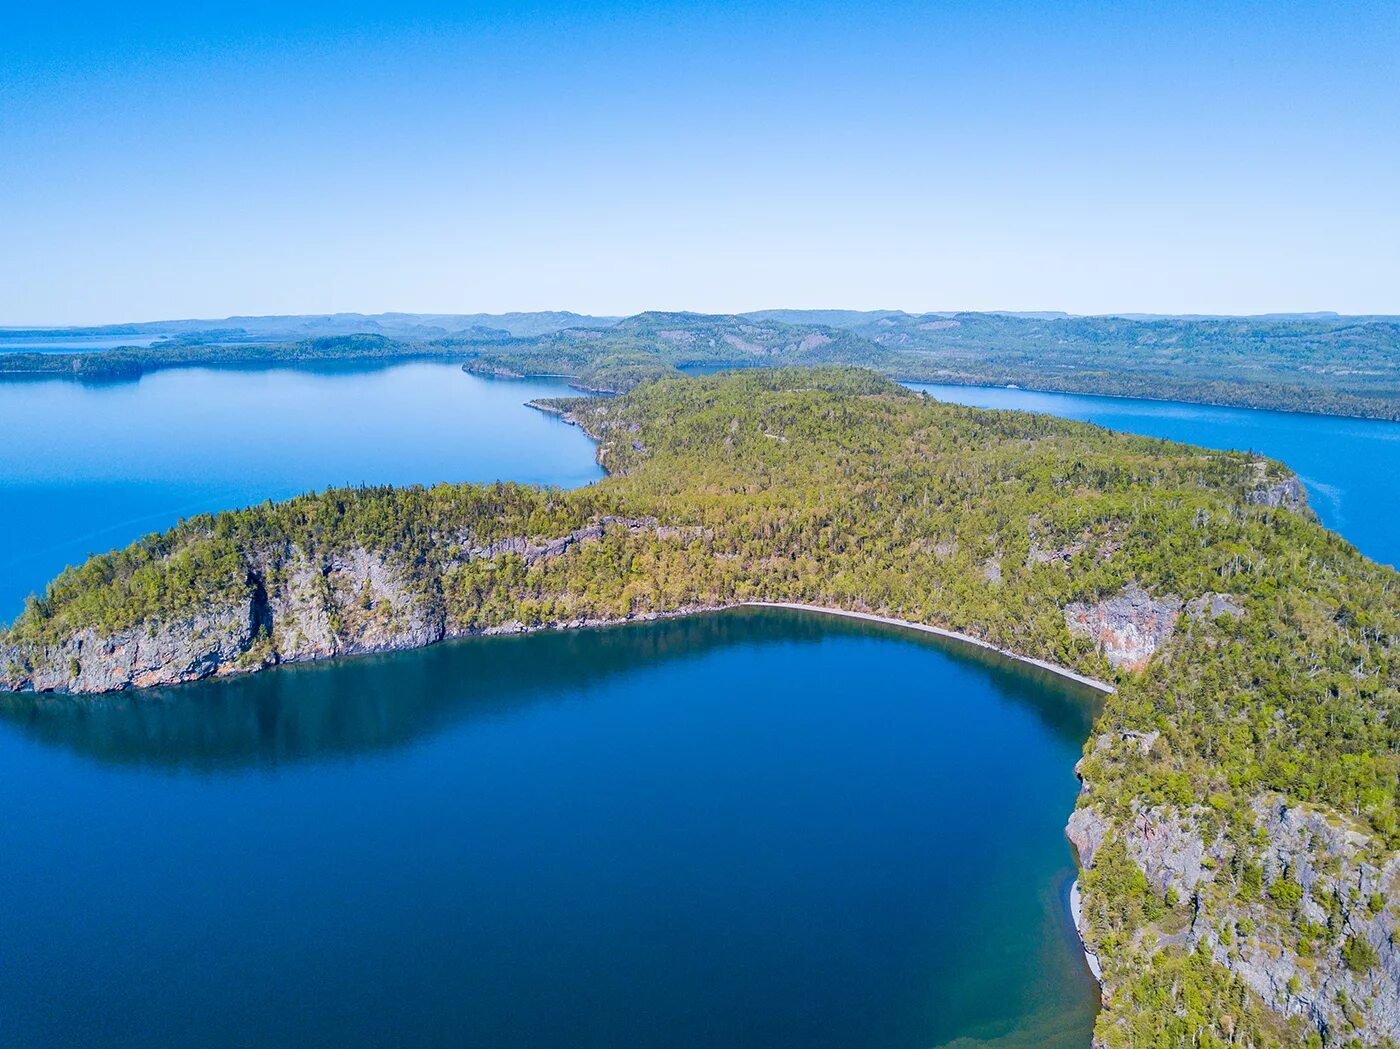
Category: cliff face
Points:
column 295, row 608
column 1315, row 937
column 1127, row 628
column 212, row 643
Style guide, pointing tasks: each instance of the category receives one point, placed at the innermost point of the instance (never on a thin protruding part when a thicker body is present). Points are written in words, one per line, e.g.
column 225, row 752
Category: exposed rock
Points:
column 1043, row 551
column 1333, row 863
column 745, row 345
column 1289, row 953
column 991, row 570
column 186, row 650
column 1212, row 606
column 1039, row 555
column 1127, row 628
column 295, row 608
column 1086, row 830
column 1285, row 492
column 1166, row 847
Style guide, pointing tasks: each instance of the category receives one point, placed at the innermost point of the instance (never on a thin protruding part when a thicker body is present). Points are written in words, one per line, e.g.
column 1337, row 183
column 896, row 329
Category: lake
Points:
column 31, row 343
column 754, row 828
column 1349, row 466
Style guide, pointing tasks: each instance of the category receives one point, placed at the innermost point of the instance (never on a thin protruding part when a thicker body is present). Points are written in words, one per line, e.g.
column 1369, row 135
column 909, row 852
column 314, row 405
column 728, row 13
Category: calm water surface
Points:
column 758, row 828
column 1351, row 467
column 73, row 344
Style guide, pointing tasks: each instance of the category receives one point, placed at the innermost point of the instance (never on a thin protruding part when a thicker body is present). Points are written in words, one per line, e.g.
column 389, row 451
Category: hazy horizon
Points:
column 166, row 160
column 592, row 314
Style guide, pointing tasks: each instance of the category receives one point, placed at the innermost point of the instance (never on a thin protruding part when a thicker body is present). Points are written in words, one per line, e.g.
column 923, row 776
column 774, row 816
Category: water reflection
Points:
column 350, row 707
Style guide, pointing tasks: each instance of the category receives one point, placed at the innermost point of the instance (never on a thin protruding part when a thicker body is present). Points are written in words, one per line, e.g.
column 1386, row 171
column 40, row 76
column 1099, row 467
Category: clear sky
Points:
column 209, row 159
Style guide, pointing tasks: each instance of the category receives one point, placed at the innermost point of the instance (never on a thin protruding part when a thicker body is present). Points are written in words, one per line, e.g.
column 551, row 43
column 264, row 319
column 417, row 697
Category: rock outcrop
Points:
column 1127, row 628
column 1273, row 490
column 1316, row 938
column 295, row 608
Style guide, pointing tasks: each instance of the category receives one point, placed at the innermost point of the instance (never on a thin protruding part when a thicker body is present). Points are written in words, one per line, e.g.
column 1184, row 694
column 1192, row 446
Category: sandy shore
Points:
column 1102, row 686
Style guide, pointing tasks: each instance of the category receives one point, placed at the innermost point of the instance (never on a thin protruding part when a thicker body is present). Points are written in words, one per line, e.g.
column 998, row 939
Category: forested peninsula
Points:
column 1239, row 823
column 1332, row 365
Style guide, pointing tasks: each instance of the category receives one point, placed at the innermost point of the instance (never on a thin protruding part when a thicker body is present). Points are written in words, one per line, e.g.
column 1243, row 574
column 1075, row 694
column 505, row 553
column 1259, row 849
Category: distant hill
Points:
column 1307, row 362
column 295, row 327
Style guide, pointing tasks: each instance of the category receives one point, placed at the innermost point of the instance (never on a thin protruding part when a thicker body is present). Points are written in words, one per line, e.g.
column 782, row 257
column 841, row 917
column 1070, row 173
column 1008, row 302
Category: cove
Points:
column 1348, row 466
column 751, row 828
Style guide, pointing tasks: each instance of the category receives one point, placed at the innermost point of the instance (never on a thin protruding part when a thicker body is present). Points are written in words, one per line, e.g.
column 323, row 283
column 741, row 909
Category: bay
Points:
column 755, row 828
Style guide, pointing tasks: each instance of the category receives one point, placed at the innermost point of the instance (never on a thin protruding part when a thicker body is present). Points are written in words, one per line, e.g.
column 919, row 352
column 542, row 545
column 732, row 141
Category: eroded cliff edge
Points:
column 1255, row 653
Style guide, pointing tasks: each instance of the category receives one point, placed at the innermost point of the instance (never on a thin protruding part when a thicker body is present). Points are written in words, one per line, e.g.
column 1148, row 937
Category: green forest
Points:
column 837, row 487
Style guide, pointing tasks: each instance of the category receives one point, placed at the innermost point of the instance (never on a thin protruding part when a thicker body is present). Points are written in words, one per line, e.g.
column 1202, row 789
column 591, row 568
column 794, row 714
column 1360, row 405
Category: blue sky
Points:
column 197, row 160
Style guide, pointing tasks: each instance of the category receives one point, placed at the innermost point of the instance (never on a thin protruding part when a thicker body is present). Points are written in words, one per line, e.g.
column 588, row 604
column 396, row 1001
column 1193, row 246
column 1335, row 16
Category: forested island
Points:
column 1327, row 364
column 1239, row 824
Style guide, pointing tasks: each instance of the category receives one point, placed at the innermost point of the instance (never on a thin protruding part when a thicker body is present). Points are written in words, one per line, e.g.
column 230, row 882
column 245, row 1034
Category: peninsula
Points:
column 1239, row 824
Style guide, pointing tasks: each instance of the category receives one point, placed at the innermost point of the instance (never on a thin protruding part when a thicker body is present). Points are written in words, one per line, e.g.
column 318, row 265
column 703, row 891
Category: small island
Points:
column 1238, row 829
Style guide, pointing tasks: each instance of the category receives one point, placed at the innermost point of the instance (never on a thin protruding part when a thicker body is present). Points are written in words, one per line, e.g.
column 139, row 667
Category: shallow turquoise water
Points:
column 1351, row 467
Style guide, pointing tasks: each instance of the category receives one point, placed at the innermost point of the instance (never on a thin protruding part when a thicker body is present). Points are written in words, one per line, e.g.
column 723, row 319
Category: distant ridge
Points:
column 1314, row 362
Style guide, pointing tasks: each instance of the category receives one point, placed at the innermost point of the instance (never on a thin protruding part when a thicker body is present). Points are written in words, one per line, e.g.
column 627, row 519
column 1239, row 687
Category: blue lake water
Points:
column 751, row 829
column 756, row 828
column 70, row 344
column 1351, row 467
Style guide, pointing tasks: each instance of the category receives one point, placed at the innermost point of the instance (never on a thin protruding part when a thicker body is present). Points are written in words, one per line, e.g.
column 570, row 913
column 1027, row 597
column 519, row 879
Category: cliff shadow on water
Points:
column 378, row 702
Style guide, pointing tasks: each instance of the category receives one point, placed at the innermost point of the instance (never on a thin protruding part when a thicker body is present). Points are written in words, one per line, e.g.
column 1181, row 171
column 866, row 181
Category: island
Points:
column 1238, row 828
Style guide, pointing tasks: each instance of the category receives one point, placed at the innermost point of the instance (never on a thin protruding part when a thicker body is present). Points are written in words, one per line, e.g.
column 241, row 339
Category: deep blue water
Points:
column 757, row 828
column 1351, row 467
column 85, row 468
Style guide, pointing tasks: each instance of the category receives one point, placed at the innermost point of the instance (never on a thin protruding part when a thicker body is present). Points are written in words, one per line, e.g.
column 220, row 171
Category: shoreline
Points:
column 870, row 617
column 515, row 627
column 1076, row 913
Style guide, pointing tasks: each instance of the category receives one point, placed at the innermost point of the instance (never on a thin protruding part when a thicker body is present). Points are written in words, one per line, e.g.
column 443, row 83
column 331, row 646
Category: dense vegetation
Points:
column 838, row 488
column 1343, row 366
column 132, row 362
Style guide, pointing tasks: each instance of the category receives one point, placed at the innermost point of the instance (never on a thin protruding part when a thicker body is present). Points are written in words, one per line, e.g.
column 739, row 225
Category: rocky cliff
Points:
column 294, row 607
column 1314, row 933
